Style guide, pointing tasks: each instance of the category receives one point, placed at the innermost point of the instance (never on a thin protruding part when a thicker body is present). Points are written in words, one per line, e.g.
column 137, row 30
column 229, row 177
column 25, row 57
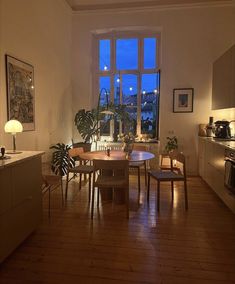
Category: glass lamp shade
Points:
column 13, row 126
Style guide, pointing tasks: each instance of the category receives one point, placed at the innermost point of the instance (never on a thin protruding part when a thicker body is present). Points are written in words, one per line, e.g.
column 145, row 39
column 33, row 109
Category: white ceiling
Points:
column 83, row 5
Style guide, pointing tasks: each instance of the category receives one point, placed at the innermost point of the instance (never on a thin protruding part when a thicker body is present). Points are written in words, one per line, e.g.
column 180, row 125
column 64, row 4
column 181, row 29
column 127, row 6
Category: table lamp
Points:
column 13, row 126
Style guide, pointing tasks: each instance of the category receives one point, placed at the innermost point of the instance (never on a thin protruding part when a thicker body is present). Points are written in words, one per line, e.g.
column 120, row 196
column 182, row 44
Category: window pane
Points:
column 149, row 103
column 150, row 46
column 126, row 54
column 130, row 127
column 104, row 54
column 104, row 89
column 116, row 90
column 129, row 90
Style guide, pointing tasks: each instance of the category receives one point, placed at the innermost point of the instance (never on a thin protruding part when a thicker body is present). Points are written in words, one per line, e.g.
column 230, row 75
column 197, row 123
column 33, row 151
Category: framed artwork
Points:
column 183, row 100
column 20, row 92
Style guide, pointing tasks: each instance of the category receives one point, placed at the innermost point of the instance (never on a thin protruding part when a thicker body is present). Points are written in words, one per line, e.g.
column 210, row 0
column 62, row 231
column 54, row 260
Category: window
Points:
column 127, row 72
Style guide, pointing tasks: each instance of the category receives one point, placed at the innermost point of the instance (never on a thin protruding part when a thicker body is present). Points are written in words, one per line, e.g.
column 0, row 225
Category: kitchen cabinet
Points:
column 223, row 84
column 20, row 199
column 211, row 168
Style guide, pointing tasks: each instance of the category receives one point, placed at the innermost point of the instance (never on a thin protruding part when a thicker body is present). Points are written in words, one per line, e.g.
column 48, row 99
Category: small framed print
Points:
column 183, row 100
column 20, row 92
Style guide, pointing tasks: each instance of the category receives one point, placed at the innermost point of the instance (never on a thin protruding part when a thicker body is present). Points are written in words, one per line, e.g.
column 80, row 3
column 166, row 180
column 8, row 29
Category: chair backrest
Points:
column 179, row 157
column 75, row 152
column 118, row 167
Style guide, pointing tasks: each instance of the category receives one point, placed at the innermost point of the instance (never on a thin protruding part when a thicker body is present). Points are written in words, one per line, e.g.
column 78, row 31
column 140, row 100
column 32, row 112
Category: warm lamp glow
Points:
column 13, row 126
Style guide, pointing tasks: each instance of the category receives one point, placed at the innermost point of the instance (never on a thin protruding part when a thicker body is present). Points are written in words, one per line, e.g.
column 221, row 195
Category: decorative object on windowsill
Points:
column 183, row 100
column 61, row 161
column 128, row 142
column 13, row 126
column 210, row 128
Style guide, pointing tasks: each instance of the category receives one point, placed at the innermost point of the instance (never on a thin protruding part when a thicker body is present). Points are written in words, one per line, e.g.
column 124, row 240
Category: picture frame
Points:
column 20, row 92
column 183, row 100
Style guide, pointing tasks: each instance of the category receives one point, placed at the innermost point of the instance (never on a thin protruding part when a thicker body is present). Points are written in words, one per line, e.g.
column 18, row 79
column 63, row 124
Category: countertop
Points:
column 227, row 144
column 12, row 159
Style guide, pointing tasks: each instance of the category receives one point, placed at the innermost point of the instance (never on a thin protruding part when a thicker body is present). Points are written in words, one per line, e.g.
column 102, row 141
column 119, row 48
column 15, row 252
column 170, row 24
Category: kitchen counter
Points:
column 13, row 159
column 211, row 160
column 227, row 144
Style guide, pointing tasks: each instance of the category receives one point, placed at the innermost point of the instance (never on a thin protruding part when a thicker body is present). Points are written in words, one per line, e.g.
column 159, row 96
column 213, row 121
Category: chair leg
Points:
column 139, row 185
column 89, row 188
column 148, row 188
column 145, row 172
column 66, row 188
column 127, row 202
column 158, row 196
column 186, row 195
column 80, row 181
column 98, row 196
column 49, row 201
column 92, row 201
column 172, row 190
column 62, row 191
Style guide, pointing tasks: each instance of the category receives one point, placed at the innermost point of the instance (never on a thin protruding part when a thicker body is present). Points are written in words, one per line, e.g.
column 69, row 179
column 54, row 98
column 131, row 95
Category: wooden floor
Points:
column 174, row 246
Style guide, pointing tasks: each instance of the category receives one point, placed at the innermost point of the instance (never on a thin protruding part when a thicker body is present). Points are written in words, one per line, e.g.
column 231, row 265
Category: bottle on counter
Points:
column 210, row 128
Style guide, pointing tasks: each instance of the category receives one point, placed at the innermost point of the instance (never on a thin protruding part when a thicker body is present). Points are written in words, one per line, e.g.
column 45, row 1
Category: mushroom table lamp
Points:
column 13, row 126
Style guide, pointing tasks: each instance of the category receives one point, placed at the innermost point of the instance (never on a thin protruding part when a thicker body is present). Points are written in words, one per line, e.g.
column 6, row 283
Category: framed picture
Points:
column 183, row 100
column 20, row 92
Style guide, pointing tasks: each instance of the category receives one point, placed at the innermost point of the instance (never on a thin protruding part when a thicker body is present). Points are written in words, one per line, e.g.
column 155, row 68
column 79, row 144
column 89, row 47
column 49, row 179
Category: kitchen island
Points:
column 20, row 198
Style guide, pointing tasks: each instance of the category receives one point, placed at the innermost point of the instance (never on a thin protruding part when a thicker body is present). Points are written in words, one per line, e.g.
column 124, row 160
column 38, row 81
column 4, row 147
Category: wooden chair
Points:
column 138, row 166
column 118, row 178
column 50, row 183
column 80, row 169
column 175, row 174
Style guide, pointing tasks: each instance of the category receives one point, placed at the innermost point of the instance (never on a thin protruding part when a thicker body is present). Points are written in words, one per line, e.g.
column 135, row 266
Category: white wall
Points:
column 191, row 39
column 39, row 32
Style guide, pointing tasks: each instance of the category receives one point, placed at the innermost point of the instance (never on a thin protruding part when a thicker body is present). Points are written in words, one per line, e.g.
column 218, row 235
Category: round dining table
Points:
column 135, row 156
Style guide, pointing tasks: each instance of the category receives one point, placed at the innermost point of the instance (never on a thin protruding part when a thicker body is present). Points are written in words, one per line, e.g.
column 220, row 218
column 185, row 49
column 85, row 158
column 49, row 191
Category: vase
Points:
column 128, row 147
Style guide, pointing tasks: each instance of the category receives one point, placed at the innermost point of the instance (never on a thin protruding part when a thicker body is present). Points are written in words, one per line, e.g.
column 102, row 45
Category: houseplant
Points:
column 172, row 144
column 60, row 159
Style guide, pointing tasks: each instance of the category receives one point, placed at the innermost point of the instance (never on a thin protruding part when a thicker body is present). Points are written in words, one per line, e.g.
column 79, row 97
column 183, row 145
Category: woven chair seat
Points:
column 169, row 175
column 83, row 169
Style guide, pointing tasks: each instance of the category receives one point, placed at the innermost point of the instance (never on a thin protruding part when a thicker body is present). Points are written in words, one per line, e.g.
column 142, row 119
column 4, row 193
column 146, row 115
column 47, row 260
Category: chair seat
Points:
column 109, row 181
column 83, row 169
column 166, row 176
column 50, row 180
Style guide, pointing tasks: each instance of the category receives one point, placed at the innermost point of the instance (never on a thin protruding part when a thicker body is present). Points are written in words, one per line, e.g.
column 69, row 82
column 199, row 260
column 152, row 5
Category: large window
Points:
column 127, row 72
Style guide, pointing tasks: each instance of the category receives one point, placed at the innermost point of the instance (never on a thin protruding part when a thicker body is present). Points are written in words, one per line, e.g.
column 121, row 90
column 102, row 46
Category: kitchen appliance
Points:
column 229, row 175
column 222, row 129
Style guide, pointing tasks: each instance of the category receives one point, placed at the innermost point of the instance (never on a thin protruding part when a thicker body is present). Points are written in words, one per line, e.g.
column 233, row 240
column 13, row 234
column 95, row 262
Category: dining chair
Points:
column 117, row 177
column 172, row 175
column 80, row 169
column 139, row 165
column 50, row 183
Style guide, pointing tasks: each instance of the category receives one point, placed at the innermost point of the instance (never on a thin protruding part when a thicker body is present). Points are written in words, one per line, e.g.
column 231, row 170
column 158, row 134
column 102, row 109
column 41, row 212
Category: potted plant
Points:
column 172, row 144
column 61, row 160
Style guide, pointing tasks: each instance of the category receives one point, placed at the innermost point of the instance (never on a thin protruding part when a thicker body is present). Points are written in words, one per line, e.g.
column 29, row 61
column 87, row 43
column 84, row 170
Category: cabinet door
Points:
column 201, row 157
column 223, row 84
column 5, row 193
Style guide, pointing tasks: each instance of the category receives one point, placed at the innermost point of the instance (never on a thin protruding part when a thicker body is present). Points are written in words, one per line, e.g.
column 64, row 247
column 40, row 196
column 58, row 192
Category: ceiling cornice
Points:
column 148, row 5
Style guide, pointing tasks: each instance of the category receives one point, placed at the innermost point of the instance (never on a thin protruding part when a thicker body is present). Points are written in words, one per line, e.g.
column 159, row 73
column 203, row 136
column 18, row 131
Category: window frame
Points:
column 97, row 73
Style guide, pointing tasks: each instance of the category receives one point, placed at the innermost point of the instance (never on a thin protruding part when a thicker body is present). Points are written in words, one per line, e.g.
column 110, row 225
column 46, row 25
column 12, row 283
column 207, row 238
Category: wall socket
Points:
column 171, row 132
